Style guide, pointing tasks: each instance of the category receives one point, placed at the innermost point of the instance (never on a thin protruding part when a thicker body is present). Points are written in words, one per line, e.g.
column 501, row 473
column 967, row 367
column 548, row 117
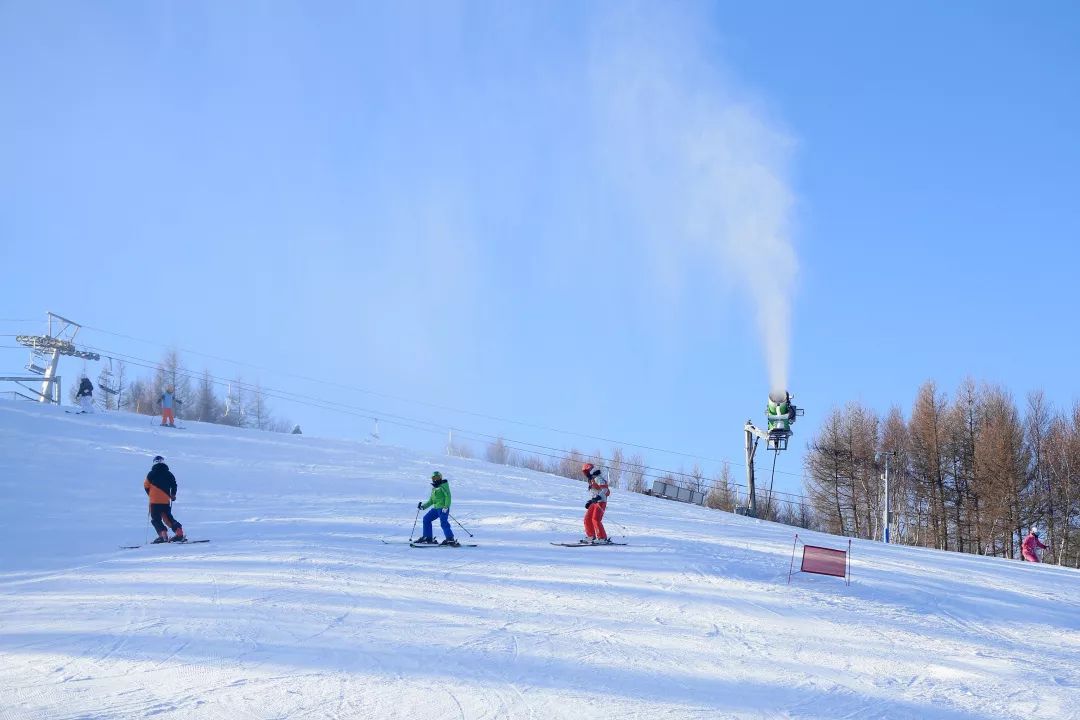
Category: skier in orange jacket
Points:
column 160, row 487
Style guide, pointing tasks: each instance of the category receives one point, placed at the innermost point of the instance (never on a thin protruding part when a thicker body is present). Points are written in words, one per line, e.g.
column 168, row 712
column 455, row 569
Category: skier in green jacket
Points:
column 439, row 502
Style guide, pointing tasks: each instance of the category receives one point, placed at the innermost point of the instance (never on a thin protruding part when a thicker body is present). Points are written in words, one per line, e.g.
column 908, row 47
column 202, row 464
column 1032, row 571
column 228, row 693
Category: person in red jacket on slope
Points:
column 597, row 504
column 1028, row 547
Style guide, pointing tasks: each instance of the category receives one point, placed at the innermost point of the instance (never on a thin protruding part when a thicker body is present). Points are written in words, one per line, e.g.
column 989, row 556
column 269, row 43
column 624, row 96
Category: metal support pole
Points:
column 751, row 503
column 772, row 479
column 885, row 524
column 50, row 375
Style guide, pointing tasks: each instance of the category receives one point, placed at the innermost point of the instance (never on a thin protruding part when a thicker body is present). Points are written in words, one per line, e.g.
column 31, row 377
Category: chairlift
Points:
column 105, row 388
column 38, row 361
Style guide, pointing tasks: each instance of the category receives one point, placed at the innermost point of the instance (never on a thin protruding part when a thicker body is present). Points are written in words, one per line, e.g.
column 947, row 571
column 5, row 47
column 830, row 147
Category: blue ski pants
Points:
column 444, row 519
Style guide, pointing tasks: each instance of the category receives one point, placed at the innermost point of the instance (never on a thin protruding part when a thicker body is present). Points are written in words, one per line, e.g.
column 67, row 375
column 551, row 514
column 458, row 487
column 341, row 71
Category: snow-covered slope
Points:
column 297, row 608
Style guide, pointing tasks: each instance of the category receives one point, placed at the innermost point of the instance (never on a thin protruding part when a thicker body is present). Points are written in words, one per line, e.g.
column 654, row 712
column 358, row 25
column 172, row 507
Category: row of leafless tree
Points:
column 970, row 473
column 635, row 475
column 242, row 404
column 629, row 473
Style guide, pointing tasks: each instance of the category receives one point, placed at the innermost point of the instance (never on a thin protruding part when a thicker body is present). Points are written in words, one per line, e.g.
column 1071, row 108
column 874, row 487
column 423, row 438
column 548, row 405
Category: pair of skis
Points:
column 573, row 544
column 171, row 542
column 579, row 543
column 428, row 545
column 585, row 543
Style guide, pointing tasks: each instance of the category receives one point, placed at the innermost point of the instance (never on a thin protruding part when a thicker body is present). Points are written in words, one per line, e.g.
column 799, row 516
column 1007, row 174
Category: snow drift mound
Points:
column 298, row 608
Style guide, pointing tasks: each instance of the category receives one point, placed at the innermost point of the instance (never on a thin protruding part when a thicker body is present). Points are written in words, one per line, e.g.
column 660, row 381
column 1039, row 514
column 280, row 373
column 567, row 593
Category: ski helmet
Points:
column 436, row 478
column 158, row 459
column 587, row 468
column 1035, row 531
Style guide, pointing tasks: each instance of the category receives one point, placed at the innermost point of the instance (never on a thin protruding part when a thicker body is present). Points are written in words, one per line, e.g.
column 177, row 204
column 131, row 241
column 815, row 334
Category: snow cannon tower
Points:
column 780, row 414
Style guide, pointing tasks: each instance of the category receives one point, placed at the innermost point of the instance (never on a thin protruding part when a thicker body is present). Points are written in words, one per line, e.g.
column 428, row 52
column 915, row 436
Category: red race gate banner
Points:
column 822, row 561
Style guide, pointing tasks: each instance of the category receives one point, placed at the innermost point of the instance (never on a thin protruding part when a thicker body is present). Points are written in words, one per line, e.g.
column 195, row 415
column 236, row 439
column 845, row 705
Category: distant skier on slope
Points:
column 85, row 396
column 160, row 486
column 166, row 401
column 1028, row 548
column 597, row 504
column 439, row 502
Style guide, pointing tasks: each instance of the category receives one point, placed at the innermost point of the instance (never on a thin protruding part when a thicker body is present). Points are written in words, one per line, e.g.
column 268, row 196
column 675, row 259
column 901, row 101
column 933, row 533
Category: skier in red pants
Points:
column 594, row 509
column 1027, row 548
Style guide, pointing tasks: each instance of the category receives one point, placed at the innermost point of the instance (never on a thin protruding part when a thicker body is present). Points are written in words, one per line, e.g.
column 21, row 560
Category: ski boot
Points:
column 179, row 536
column 163, row 537
column 587, row 540
column 424, row 541
column 601, row 541
column 451, row 542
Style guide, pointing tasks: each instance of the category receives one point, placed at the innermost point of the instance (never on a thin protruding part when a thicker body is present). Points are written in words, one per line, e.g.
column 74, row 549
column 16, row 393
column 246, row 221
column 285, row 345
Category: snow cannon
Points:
column 780, row 412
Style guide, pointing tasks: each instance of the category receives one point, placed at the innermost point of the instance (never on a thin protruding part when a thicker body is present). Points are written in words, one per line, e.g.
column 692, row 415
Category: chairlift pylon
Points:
column 45, row 352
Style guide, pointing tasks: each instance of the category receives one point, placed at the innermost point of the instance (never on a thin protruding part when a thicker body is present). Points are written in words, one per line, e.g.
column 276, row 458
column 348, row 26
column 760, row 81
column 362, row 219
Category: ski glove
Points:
column 420, row 506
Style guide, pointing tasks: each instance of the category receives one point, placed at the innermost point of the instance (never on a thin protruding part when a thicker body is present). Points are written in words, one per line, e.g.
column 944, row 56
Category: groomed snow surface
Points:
column 298, row 609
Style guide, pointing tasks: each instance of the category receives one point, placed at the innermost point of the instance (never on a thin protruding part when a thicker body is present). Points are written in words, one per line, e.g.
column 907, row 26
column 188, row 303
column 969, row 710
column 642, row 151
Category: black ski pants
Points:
column 160, row 512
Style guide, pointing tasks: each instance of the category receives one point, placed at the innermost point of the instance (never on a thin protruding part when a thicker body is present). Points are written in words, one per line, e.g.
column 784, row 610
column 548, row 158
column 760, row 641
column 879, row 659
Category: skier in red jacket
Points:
column 1028, row 547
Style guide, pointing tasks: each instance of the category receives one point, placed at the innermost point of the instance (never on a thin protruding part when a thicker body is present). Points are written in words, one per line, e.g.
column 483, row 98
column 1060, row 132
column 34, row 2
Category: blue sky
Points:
column 584, row 216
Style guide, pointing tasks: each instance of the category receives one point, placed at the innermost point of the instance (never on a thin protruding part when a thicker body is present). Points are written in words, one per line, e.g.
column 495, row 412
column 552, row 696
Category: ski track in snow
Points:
column 299, row 609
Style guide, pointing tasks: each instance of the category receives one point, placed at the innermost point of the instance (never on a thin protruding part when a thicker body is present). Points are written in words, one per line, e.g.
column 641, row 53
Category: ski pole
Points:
column 621, row 527
column 413, row 531
column 460, row 525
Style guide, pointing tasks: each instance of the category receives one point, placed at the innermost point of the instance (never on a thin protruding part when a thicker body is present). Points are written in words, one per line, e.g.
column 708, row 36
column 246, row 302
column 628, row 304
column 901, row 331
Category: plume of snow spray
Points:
column 706, row 169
